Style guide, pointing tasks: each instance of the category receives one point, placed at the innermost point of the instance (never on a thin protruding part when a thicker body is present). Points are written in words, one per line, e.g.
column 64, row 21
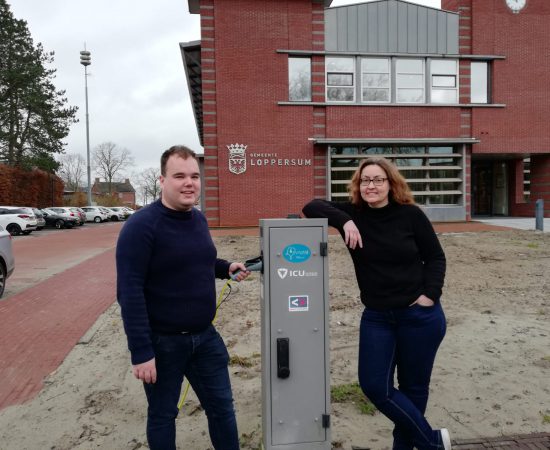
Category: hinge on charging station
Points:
column 323, row 248
column 326, row 420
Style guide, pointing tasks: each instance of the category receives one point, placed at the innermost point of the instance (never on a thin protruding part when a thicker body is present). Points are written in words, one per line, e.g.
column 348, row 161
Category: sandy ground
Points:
column 491, row 375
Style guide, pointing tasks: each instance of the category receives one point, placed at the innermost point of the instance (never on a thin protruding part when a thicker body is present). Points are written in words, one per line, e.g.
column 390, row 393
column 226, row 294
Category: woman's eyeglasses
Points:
column 377, row 181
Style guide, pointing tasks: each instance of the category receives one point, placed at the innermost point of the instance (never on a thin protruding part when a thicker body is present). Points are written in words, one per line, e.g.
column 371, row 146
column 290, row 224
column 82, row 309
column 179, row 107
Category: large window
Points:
column 375, row 80
column 396, row 80
column 299, row 79
column 434, row 174
column 479, row 76
column 340, row 79
column 444, row 76
column 409, row 80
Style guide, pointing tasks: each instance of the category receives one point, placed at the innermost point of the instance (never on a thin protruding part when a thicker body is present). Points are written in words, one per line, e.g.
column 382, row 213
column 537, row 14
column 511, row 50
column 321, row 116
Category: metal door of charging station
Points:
column 296, row 318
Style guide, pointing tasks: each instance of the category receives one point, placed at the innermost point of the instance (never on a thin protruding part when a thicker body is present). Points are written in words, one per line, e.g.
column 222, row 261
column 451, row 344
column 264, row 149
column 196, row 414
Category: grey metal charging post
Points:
column 295, row 334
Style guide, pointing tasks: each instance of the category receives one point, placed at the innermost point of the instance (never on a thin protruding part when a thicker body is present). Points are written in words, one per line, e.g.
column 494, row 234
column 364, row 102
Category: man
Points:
column 166, row 270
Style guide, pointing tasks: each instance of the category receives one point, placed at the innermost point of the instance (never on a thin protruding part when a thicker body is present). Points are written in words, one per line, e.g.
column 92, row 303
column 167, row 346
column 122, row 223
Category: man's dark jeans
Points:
column 202, row 358
column 408, row 339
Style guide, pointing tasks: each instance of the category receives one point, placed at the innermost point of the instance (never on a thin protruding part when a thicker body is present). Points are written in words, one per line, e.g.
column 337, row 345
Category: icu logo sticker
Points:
column 282, row 272
column 298, row 303
column 296, row 253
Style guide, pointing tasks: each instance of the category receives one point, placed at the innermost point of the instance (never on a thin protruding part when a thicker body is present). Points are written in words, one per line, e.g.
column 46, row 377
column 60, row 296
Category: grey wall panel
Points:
column 342, row 24
column 391, row 26
column 331, row 31
column 364, row 30
column 452, row 34
column 402, row 12
column 422, row 37
column 352, row 30
column 371, row 11
column 441, row 32
column 412, row 29
column 432, row 31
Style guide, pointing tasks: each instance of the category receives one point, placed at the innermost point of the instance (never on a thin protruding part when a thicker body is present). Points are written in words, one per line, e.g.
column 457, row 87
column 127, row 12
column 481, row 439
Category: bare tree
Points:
column 111, row 160
column 72, row 167
column 148, row 182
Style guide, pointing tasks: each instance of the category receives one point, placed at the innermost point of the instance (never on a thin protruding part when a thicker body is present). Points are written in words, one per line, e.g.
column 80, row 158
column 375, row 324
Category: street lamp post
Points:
column 86, row 60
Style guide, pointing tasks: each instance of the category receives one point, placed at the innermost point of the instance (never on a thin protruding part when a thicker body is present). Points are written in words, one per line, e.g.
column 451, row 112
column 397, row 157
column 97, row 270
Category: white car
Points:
column 95, row 214
column 17, row 220
column 7, row 261
column 118, row 213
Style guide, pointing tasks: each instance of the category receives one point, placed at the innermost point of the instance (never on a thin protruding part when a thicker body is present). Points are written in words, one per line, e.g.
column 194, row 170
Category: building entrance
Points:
column 489, row 188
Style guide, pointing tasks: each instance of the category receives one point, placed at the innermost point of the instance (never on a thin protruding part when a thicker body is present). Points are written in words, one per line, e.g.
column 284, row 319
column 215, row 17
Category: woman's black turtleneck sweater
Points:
column 401, row 256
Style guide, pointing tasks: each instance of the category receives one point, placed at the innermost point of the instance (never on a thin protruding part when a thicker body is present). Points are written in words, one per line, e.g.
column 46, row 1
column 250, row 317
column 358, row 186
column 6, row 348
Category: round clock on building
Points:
column 516, row 5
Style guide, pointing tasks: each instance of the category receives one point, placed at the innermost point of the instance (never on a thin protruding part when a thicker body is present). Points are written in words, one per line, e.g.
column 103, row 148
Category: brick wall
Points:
column 247, row 80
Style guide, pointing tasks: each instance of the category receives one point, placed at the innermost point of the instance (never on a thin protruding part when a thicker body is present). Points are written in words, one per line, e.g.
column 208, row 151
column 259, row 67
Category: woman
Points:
column 400, row 269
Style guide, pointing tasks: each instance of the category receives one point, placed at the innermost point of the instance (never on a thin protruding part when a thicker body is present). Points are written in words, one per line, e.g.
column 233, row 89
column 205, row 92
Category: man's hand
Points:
column 146, row 372
column 352, row 236
column 243, row 271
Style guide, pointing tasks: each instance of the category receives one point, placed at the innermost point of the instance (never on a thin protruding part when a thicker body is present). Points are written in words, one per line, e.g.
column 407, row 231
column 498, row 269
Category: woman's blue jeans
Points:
column 202, row 358
column 406, row 339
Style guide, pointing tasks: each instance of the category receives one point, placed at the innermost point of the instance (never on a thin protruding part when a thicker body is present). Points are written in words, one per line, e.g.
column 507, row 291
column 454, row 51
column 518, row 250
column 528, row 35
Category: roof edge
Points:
column 194, row 5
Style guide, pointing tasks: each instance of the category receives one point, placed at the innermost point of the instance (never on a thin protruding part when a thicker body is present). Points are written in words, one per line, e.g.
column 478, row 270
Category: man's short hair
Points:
column 179, row 150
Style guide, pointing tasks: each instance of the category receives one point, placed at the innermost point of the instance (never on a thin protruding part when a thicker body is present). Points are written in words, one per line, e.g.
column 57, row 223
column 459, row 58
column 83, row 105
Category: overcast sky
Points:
column 137, row 90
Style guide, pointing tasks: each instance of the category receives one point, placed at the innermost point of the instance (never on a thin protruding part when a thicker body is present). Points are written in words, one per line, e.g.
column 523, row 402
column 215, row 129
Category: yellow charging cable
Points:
column 220, row 300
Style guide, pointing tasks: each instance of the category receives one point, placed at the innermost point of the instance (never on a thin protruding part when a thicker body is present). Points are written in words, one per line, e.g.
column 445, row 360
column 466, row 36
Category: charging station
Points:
column 295, row 334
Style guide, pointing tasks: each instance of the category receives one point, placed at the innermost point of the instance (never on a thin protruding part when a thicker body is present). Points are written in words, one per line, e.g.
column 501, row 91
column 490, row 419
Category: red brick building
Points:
column 289, row 95
column 123, row 191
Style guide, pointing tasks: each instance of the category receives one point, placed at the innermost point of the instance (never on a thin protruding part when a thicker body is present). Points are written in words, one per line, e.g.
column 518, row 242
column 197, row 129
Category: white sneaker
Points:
column 446, row 438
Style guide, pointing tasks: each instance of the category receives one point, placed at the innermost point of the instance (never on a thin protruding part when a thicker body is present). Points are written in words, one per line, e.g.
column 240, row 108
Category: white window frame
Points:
column 291, row 72
column 475, row 85
column 422, row 85
column 365, row 88
column 451, row 75
column 353, row 86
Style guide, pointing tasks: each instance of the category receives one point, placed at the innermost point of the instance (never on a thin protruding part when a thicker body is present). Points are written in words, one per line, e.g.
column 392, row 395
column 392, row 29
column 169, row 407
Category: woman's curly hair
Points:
column 399, row 189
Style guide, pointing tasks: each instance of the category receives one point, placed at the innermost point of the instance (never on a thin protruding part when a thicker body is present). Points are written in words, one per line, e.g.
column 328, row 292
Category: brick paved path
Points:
column 71, row 274
column 536, row 441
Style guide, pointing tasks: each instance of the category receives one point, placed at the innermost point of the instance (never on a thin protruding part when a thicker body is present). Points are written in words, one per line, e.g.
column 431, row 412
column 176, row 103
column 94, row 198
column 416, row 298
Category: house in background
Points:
column 123, row 191
column 289, row 95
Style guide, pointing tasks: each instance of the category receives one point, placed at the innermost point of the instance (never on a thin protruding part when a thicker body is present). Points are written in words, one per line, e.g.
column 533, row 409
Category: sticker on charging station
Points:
column 298, row 302
column 296, row 253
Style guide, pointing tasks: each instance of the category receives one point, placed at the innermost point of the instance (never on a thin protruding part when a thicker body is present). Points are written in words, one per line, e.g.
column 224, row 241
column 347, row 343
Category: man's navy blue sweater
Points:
column 166, row 269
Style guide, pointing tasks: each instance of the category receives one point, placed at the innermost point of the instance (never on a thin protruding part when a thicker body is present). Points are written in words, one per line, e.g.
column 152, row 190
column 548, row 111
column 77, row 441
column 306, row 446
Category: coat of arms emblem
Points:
column 237, row 158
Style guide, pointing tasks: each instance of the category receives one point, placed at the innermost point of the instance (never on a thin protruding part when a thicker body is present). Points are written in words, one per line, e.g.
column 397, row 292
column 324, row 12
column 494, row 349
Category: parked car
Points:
column 118, row 213
column 106, row 211
column 95, row 214
column 65, row 212
column 80, row 212
column 17, row 220
column 40, row 221
column 128, row 210
column 59, row 220
column 7, row 261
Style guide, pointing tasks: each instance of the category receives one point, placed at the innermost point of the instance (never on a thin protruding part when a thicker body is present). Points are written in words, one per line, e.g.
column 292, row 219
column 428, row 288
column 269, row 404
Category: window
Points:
column 299, row 79
column 444, row 84
column 479, row 82
column 434, row 174
column 340, row 79
column 409, row 81
column 375, row 80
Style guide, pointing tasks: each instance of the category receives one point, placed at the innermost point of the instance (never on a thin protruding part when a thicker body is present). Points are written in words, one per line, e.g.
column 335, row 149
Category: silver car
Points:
column 7, row 262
